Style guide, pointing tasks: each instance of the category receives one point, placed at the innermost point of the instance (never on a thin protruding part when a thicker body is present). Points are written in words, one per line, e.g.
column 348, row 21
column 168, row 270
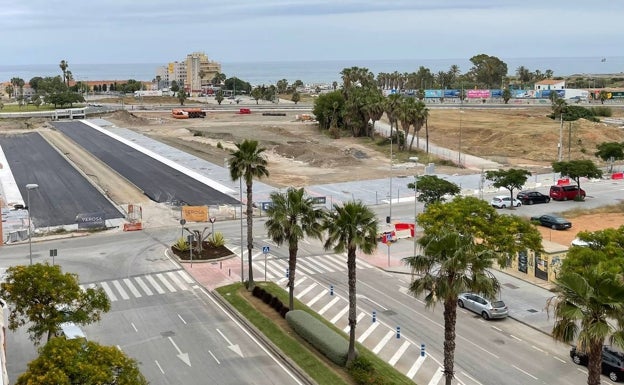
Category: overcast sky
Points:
column 157, row 31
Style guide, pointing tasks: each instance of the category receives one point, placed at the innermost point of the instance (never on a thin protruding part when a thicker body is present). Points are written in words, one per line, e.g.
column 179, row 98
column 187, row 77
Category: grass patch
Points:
column 579, row 211
column 312, row 362
column 30, row 108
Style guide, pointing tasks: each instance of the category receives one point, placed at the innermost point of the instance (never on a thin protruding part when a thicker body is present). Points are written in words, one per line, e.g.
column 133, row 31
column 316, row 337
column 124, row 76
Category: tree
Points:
column 219, row 78
column 256, row 94
column 247, row 162
column 604, row 250
column 432, row 189
column 64, row 65
column 506, row 95
column 603, row 95
column 182, row 97
column 488, row 70
column 589, row 308
column 77, row 361
column 461, row 240
column 175, row 87
column 291, row 217
column 577, row 169
column 609, row 152
column 374, row 109
column 350, row 227
column 326, row 109
column 296, row 97
column 158, row 79
column 511, row 179
column 219, row 96
column 524, row 75
column 421, row 116
column 43, row 297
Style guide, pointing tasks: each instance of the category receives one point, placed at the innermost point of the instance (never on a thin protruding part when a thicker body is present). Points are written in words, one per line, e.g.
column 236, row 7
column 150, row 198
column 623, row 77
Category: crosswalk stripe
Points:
column 132, row 288
column 108, row 291
column 383, row 341
column 120, row 289
column 255, row 255
column 339, row 315
column 305, row 263
column 166, row 283
column 313, row 262
column 146, row 289
column 300, row 280
column 437, row 376
column 306, row 290
column 414, row 369
column 368, row 332
column 155, row 284
column 173, row 276
column 399, row 353
column 331, row 261
column 274, row 267
column 329, row 305
column 357, row 320
column 318, row 296
column 187, row 278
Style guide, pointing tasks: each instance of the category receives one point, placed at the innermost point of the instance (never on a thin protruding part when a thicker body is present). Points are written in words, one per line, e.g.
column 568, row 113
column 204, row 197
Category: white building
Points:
column 549, row 84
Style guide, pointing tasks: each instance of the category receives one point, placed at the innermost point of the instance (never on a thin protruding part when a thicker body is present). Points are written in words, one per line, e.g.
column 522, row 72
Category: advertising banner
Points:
column 496, row 93
column 195, row 213
column 478, row 94
column 452, row 93
column 91, row 220
column 433, row 94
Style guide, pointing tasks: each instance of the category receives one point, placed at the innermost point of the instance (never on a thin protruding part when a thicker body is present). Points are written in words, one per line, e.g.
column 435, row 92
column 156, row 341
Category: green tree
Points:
column 506, row 95
column 604, row 250
column 609, row 152
column 589, row 308
column 524, row 75
column 219, row 78
column 282, row 86
column 577, row 169
column 421, row 116
column 291, row 217
column 461, row 240
column 374, row 109
column 326, row 109
column 256, row 93
column 175, row 87
column 349, row 227
column 64, row 65
column 406, row 115
column 296, row 97
column 219, row 96
column 487, row 70
column 43, row 297
column 182, row 97
column 248, row 162
column 77, row 361
column 432, row 189
column 511, row 179
column 9, row 89
column 603, row 95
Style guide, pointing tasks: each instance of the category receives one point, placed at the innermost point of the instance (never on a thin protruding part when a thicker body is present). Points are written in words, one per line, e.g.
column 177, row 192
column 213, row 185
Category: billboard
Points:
column 170, row 67
column 478, row 94
column 195, row 213
column 91, row 220
column 434, row 94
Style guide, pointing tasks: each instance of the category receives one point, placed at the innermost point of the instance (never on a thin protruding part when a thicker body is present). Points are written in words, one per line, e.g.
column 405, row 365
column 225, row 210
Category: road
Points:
column 159, row 316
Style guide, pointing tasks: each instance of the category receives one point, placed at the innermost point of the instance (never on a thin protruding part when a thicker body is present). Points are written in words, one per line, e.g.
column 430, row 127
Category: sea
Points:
column 317, row 72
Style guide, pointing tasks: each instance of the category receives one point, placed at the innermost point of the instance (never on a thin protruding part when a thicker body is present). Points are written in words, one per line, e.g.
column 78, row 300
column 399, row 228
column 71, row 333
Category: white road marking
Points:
column 306, row 290
column 159, row 367
column 538, row 349
column 368, row 332
column 383, row 341
column 437, row 376
column 134, row 327
column 339, row 315
column 357, row 320
column 146, row 289
column 525, row 372
column 399, row 353
column 155, row 284
column 496, row 328
column 414, row 369
column 516, row 338
column 181, row 319
column 187, row 278
column 132, row 288
column 120, row 289
column 215, row 358
column 109, row 292
column 319, row 296
column 329, row 305
column 166, row 283
column 559, row 359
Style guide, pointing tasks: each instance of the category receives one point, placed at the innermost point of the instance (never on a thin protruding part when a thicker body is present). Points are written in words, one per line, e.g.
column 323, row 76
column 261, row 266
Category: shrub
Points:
column 181, row 244
column 267, row 297
column 216, row 240
column 219, row 146
column 258, row 291
column 283, row 311
column 602, row 111
column 198, row 133
column 329, row 343
column 276, row 304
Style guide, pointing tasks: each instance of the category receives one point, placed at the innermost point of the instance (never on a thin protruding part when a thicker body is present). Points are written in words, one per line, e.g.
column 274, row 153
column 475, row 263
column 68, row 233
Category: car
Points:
column 553, row 221
column 504, row 201
column 482, row 306
column 531, row 197
column 612, row 362
column 566, row 192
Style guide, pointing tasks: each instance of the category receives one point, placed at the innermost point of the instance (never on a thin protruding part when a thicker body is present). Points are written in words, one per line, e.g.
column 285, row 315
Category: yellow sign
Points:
column 195, row 213
column 170, row 69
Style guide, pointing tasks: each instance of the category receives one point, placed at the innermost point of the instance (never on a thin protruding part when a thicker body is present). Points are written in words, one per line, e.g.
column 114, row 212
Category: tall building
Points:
column 188, row 73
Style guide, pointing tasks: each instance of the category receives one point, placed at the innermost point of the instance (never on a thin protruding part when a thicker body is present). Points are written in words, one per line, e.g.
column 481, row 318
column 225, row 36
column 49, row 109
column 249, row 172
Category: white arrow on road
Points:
column 234, row 348
column 183, row 356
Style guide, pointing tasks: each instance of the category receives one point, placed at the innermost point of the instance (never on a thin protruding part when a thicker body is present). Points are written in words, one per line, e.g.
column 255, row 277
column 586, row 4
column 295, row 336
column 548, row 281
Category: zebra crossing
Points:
column 144, row 285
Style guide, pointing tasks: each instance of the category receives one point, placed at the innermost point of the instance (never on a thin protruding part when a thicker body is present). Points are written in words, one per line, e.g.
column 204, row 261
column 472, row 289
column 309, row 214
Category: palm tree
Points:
column 421, row 115
column 585, row 306
column 247, row 162
column 63, row 65
column 451, row 264
column 291, row 217
column 406, row 115
column 350, row 227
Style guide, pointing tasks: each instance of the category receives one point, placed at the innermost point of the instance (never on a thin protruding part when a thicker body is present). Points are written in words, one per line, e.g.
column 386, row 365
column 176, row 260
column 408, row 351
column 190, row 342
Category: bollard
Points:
column 422, row 350
column 220, row 264
column 229, row 272
column 398, row 332
column 374, row 316
column 286, row 272
column 331, row 289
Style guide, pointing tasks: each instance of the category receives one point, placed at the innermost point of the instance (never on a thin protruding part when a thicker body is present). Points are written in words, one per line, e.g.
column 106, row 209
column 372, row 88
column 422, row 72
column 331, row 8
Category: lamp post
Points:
column 30, row 186
column 415, row 209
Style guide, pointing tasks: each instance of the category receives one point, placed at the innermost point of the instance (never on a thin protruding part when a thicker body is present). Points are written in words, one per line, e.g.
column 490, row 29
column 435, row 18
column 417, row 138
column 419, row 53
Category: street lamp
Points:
column 30, row 186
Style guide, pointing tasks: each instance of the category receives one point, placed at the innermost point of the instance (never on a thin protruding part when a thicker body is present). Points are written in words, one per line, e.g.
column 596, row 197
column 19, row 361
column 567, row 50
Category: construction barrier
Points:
column 617, row 175
column 563, row 181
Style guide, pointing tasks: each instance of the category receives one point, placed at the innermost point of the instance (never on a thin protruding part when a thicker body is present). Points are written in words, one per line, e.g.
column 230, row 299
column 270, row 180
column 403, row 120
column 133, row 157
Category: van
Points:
column 566, row 192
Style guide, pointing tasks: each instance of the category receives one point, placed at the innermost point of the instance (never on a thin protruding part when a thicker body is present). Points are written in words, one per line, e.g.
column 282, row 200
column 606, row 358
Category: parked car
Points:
column 566, row 192
column 531, row 197
column 612, row 362
column 485, row 308
column 504, row 201
column 553, row 221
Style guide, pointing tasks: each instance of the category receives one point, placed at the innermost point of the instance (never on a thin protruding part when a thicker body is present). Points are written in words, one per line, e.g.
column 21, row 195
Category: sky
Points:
column 157, row 31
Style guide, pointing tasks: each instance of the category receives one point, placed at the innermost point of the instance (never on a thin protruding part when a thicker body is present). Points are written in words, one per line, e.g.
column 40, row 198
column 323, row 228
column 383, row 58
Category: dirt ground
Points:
column 299, row 154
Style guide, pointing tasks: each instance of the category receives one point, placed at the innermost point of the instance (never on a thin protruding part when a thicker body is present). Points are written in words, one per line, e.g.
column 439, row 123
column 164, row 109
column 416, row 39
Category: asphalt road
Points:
column 158, row 181
column 63, row 192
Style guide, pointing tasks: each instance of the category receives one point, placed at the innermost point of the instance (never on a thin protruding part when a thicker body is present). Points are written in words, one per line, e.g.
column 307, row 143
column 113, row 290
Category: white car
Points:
column 485, row 308
column 504, row 201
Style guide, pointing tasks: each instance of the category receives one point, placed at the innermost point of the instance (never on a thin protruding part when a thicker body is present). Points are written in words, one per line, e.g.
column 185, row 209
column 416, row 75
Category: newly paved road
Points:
column 158, row 181
column 63, row 192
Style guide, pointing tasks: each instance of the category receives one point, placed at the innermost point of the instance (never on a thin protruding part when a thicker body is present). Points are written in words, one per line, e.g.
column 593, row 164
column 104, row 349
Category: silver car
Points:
column 482, row 306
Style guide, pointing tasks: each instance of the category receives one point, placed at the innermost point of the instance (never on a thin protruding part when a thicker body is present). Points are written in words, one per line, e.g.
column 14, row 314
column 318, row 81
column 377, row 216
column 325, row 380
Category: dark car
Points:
column 531, row 197
column 555, row 222
column 612, row 362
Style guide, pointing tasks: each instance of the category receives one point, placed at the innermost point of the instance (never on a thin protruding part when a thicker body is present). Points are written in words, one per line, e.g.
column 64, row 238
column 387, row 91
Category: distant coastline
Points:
column 325, row 72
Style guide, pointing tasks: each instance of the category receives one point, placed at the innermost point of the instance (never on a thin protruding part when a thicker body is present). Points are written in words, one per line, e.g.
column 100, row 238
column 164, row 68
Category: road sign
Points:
column 266, row 205
column 319, row 200
column 53, row 253
column 389, row 237
column 265, row 249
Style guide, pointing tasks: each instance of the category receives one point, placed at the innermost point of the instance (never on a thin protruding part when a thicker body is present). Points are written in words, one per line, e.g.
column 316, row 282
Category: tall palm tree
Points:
column 584, row 307
column 406, row 113
column 350, row 227
column 421, row 115
column 247, row 162
column 291, row 217
column 64, row 65
column 452, row 264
